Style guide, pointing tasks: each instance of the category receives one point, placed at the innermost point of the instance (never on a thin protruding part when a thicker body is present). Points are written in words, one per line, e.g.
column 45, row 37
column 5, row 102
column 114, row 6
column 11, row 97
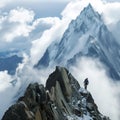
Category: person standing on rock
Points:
column 86, row 82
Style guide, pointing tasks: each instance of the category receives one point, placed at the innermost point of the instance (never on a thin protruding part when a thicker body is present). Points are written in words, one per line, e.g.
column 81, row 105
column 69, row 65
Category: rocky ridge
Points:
column 61, row 99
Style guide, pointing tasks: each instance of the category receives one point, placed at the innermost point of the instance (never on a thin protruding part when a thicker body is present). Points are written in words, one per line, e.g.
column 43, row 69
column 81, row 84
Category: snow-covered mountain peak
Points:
column 87, row 35
column 87, row 24
column 88, row 21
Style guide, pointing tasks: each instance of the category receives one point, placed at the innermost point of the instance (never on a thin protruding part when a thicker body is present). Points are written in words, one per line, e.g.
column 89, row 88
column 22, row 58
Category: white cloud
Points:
column 104, row 90
column 4, row 80
column 18, row 28
column 115, row 29
column 19, row 23
column 15, row 24
column 21, row 15
column 17, row 31
column 111, row 13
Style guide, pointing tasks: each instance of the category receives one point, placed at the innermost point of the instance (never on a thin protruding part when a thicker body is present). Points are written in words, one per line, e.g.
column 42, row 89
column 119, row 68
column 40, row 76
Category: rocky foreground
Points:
column 61, row 99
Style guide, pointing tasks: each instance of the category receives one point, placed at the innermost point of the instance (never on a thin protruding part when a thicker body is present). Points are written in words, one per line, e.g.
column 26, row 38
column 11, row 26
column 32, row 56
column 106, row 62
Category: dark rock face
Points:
column 61, row 99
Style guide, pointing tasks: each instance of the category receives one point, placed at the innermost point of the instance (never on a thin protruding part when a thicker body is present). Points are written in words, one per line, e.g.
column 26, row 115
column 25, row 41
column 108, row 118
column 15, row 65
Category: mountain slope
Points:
column 85, row 36
column 62, row 99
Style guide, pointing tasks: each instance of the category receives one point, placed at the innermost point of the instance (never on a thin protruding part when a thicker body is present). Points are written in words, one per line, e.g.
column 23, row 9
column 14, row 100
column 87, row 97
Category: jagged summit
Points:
column 90, row 12
column 89, row 6
column 88, row 20
column 62, row 99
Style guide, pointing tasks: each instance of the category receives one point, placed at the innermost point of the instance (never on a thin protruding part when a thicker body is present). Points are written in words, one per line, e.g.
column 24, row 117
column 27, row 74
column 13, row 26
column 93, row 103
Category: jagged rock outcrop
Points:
column 61, row 99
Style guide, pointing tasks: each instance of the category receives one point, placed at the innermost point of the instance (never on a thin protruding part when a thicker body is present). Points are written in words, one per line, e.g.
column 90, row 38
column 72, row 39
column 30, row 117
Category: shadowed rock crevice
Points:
column 61, row 99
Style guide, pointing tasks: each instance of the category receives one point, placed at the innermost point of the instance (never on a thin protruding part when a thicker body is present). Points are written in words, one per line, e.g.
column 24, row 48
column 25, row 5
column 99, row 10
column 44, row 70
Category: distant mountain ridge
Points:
column 85, row 36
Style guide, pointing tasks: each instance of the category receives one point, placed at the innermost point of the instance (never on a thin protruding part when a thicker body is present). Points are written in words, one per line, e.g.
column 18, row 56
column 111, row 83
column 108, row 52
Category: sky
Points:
column 31, row 26
column 40, row 7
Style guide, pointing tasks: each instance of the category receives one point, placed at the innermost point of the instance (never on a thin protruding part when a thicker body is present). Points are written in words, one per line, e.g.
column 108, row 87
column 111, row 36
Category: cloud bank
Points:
column 15, row 28
column 19, row 28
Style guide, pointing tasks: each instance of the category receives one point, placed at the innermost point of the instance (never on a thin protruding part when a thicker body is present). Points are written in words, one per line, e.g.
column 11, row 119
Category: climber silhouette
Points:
column 86, row 82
